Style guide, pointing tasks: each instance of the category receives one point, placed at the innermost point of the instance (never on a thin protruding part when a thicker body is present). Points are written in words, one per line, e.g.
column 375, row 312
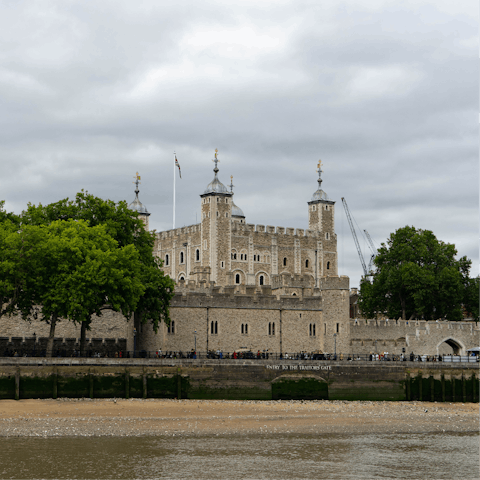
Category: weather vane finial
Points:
column 231, row 184
column 216, row 160
column 137, row 182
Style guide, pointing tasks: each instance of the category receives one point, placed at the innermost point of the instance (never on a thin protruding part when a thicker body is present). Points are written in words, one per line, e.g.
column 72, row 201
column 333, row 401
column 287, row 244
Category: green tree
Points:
column 416, row 276
column 68, row 270
column 125, row 226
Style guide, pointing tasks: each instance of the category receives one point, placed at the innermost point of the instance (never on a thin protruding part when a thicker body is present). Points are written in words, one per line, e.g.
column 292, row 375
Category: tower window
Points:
column 261, row 279
column 237, row 278
column 326, row 236
column 222, row 264
column 306, row 263
column 269, row 328
column 226, row 215
column 171, row 327
column 338, row 328
column 314, row 208
column 218, row 199
column 167, row 260
column 310, row 329
column 181, row 257
column 285, row 261
column 326, row 207
column 241, row 256
column 197, row 255
column 218, row 214
column 328, row 265
column 273, row 328
column 314, row 330
column 246, row 329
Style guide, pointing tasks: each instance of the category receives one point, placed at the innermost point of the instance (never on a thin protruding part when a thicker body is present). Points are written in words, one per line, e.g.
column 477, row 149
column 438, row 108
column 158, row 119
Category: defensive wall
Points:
column 236, row 379
column 418, row 336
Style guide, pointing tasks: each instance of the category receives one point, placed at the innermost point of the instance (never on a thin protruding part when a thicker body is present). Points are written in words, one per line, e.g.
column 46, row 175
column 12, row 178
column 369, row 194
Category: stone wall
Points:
column 418, row 336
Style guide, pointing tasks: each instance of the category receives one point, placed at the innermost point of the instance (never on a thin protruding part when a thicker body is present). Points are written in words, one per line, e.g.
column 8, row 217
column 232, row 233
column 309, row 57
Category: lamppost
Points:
column 335, row 348
column 134, row 341
column 195, row 337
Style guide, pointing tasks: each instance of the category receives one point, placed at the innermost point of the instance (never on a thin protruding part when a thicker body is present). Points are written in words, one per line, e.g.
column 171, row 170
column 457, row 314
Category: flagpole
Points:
column 174, row 166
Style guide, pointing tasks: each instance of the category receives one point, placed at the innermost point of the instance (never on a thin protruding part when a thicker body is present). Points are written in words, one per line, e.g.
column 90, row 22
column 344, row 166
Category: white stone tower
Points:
column 216, row 207
column 321, row 219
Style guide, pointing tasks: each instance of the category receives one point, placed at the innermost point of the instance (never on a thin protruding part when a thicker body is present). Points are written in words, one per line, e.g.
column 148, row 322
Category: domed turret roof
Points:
column 216, row 186
column 137, row 205
column 237, row 211
column 319, row 194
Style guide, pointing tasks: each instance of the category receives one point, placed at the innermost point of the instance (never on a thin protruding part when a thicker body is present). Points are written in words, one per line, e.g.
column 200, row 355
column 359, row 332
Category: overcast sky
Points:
column 384, row 92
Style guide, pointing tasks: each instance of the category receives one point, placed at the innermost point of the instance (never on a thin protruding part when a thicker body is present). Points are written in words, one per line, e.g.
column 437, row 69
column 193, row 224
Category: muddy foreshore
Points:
column 153, row 417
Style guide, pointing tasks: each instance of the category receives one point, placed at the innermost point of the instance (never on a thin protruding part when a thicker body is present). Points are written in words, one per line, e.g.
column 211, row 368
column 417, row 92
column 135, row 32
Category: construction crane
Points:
column 374, row 252
column 352, row 228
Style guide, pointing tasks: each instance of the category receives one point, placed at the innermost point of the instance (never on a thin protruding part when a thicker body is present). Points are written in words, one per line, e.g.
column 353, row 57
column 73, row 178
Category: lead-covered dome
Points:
column 237, row 211
column 138, row 206
column 319, row 194
column 216, row 186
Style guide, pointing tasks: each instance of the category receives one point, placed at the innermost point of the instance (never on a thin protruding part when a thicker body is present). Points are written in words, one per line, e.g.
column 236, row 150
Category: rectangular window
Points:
column 222, row 264
column 338, row 328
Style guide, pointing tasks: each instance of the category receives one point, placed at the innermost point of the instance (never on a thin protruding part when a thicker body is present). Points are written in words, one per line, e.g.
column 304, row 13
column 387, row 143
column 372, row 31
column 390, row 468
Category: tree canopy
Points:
column 75, row 258
column 418, row 276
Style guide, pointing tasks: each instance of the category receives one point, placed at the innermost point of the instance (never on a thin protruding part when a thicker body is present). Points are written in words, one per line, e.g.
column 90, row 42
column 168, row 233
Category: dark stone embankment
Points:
column 23, row 378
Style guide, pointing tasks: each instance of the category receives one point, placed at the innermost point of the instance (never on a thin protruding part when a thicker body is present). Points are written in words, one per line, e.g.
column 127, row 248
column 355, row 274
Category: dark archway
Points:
column 450, row 346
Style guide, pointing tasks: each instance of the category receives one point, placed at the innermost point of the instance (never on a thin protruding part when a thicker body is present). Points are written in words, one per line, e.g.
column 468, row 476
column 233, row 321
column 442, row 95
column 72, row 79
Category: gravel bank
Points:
column 136, row 417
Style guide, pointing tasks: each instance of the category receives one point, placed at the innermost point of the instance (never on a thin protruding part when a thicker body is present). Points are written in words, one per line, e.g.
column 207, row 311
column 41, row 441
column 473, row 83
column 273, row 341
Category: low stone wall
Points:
column 236, row 379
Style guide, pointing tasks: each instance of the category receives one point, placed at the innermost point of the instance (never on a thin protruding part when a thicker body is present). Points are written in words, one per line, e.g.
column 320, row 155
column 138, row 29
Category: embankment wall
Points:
column 240, row 379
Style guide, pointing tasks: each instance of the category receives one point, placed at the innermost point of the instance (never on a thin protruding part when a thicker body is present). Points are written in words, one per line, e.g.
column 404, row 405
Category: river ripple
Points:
column 282, row 456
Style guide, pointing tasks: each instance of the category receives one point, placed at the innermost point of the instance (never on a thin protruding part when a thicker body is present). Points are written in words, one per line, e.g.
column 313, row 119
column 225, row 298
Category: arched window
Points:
column 306, row 263
column 243, row 331
column 328, row 265
column 285, row 261
column 270, row 328
column 273, row 328
column 261, row 279
column 167, row 260
column 182, row 278
column 326, row 236
column 212, row 327
column 181, row 257
column 216, row 328
column 326, row 207
column 197, row 255
column 237, row 278
column 310, row 329
column 314, row 330
column 245, row 256
column 171, row 327
column 246, row 329
column 241, row 256
column 294, row 294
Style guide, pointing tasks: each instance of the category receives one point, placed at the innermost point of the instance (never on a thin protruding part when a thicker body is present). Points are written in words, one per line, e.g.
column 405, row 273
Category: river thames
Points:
column 281, row 456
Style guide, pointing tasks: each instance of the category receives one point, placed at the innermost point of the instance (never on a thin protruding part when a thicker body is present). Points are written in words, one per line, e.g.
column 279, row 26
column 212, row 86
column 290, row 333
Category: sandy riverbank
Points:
column 83, row 417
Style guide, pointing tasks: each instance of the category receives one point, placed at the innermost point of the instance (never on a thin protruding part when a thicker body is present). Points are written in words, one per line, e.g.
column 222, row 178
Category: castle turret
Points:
column 138, row 206
column 216, row 205
column 321, row 218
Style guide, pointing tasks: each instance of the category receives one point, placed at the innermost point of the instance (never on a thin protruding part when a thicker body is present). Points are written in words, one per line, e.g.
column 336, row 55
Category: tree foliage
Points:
column 418, row 276
column 69, row 270
column 75, row 258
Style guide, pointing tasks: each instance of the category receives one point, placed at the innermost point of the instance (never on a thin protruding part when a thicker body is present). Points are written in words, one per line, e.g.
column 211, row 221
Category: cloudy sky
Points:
column 384, row 92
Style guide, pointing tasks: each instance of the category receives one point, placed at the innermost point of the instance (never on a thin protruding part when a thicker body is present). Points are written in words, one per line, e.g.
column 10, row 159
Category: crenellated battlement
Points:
column 269, row 230
column 228, row 298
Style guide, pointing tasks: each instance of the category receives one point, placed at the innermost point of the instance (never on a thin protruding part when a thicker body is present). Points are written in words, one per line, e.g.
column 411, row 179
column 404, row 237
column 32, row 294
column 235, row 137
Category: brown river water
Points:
column 415, row 456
